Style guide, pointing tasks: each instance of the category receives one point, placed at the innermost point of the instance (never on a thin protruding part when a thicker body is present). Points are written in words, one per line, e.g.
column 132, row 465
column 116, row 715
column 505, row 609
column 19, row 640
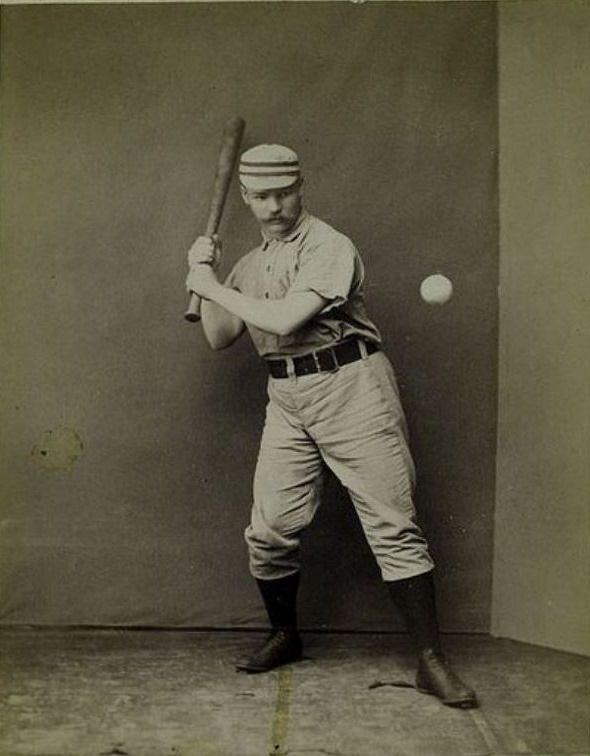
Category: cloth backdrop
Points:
column 127, row 446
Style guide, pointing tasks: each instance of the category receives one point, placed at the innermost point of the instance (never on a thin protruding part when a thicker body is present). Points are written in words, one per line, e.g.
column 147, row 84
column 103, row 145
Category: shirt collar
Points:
column 300, row 226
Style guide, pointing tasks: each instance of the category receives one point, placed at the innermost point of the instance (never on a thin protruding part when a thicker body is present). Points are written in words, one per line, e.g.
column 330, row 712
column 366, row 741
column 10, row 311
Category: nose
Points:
column 274, row 205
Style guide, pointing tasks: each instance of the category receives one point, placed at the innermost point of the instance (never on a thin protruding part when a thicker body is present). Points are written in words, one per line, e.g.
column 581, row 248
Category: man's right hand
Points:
column 206, row 250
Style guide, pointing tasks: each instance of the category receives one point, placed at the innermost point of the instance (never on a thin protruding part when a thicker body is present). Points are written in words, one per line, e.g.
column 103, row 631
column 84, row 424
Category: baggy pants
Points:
column 351, row 420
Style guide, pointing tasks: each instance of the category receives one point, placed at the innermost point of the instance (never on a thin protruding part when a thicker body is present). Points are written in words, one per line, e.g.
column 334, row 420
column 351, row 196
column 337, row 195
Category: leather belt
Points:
column 327, row 359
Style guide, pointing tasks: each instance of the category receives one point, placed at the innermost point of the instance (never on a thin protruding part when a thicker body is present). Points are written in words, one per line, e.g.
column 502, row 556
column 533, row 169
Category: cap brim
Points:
column 267, row 183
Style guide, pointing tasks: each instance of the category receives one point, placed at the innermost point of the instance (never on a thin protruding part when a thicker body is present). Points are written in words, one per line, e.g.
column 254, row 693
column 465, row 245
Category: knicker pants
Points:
column 352, row 421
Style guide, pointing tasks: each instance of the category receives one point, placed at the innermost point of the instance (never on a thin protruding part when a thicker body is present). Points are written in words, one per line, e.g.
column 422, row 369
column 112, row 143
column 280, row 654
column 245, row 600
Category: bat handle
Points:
column 193, row 312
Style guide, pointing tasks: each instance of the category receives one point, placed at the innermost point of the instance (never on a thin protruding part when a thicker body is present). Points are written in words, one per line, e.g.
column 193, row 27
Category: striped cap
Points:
column 269, row 166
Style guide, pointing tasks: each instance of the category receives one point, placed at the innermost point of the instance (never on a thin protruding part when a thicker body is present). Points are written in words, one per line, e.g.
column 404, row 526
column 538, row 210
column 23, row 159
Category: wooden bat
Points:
column 228, row 153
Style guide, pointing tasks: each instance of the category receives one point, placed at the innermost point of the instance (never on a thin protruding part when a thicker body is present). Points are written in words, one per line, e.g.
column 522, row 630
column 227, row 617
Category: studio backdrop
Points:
column 128, row 447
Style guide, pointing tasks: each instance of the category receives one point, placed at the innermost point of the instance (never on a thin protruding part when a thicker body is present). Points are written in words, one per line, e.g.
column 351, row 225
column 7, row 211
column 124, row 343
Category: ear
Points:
column 244, row 193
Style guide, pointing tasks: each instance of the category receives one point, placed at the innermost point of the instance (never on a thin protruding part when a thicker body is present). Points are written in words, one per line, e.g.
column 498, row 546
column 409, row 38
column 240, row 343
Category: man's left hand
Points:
column 202, row 280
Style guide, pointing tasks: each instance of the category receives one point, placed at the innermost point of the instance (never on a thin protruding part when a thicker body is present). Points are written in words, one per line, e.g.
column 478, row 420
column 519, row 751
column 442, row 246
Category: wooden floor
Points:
column 146, row 693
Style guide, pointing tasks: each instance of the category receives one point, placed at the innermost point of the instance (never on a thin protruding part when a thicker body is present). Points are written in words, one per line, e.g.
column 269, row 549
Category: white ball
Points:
column 436, row 289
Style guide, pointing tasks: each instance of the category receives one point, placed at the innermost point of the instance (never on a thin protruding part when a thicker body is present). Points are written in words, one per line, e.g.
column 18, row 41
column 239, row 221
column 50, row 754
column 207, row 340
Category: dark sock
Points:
column 415, row 599
column 280, row 600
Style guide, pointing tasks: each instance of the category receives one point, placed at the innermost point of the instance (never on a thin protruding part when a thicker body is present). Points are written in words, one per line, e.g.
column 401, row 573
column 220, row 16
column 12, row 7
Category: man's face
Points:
column 276, row 210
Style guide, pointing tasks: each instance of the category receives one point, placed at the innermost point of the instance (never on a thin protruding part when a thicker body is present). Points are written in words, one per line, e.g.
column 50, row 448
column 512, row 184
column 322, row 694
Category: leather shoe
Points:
column 437, row 678
column 281, row 647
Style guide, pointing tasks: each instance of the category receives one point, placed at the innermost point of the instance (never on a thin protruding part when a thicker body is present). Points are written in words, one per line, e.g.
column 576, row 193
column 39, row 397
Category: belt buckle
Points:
column 333, row 360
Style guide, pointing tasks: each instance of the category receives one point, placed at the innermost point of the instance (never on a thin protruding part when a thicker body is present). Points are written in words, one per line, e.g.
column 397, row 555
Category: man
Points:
column 333, row 401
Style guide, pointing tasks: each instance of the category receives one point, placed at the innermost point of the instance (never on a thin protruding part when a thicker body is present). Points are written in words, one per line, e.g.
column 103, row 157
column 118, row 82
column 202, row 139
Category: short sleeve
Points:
column 328, row 269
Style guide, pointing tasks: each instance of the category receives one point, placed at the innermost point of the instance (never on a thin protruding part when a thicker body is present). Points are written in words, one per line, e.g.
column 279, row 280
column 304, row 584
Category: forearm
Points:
column 221, row 328
column 278, row 316
column 267, row 315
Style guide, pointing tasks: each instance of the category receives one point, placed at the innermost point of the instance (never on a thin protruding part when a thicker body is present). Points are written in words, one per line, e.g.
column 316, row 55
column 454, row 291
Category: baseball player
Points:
column 332, row 401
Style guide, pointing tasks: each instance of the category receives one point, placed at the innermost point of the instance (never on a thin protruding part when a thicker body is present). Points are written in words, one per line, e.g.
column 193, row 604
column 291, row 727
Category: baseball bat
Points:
column 228, row 153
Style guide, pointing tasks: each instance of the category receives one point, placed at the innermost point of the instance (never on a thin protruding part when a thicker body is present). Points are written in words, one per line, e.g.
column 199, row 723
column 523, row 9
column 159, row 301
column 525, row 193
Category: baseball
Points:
column 436, row 289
